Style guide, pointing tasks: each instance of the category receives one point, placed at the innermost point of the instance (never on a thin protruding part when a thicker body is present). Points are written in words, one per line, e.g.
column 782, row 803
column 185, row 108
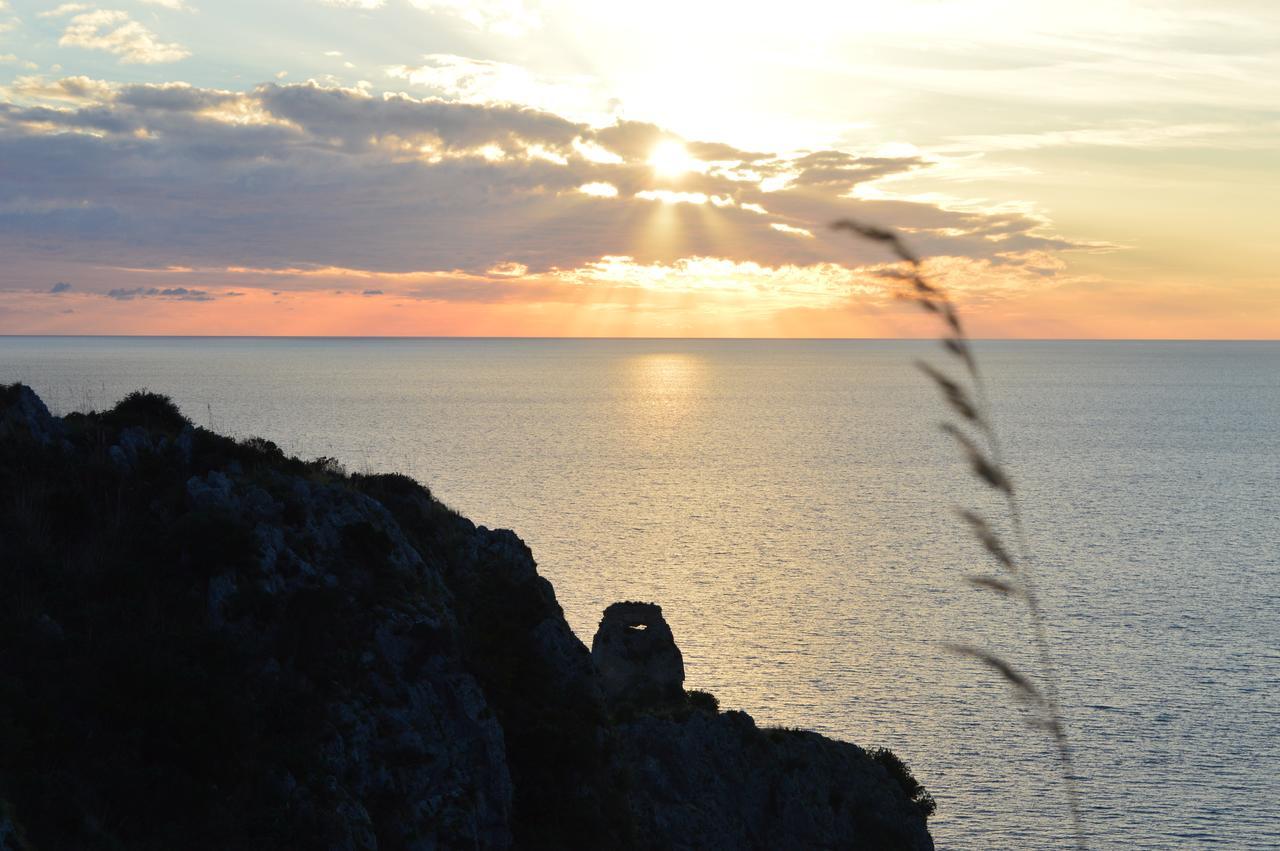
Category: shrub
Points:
column 327, row 467
column 703, row 701
column 262, row 446
column 149, row 410
column 898, row 771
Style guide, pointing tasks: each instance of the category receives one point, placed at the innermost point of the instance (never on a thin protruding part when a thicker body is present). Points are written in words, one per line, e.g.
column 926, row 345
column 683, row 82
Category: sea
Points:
column 791, row 505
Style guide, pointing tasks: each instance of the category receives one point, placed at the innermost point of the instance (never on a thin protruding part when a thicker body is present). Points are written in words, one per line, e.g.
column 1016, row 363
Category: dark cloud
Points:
column 60, row 287
column 176, row 97
column 840, row 171
column 720, row 152
column 358, row 120
column 89, row 118
column 172, row 293
column 372, row 292
column 632, row 140
column 304, row 176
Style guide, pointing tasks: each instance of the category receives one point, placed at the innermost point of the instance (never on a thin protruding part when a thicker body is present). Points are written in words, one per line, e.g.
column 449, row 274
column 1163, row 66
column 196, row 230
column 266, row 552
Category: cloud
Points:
column 173, row 97
column 60, row 287
column 64, row 9
column 842, row 171
column 488, row 82
column 114, row 32
column 355, row 120
column 494, row 201
column 372, row 292
column 174, row 293
column 174, row 5
column 10, row 59
column 719, row 151
column 83, row 90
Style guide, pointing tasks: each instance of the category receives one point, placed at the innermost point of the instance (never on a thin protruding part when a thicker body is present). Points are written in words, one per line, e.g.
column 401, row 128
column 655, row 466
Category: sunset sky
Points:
column 513, row 167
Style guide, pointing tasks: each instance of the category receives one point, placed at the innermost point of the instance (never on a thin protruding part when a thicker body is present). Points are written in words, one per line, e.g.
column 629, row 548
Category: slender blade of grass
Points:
column 983, row 467
column 954, row 393
column 992, row 583
column 989, row 540
column 1000, row 666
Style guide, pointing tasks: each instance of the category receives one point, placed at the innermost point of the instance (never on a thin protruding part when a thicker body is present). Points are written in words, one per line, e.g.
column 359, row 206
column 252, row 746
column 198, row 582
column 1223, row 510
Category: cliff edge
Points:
column 205, row 644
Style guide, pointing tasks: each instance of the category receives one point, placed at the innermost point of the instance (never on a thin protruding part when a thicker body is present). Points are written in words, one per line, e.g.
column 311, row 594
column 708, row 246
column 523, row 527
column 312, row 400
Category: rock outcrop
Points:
column 636, row 657
column 206, row 644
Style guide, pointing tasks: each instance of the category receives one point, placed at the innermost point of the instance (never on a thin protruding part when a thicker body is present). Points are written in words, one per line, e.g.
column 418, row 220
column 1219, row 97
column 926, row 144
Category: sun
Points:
column 671, row 159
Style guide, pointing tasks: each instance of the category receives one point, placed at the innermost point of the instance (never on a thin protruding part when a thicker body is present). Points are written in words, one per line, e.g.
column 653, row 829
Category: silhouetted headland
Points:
column 208, row 644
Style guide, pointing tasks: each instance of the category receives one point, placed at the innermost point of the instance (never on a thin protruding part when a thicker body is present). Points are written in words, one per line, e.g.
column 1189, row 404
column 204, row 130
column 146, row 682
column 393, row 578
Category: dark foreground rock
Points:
column 207, row 645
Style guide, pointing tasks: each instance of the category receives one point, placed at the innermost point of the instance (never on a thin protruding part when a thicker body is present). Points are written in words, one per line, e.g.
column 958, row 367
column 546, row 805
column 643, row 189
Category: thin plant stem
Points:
column 989, row 464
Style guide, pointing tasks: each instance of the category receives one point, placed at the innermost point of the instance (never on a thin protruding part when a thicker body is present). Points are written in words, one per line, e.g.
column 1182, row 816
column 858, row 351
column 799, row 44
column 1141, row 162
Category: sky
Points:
column 1077, row 169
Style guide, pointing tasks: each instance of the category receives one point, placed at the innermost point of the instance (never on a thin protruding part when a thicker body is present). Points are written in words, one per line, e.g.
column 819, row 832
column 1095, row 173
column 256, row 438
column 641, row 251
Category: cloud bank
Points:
column 306, row 188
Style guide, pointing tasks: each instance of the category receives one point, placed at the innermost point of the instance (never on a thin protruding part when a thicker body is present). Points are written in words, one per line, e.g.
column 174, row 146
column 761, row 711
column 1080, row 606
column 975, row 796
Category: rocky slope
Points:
column 205, row 644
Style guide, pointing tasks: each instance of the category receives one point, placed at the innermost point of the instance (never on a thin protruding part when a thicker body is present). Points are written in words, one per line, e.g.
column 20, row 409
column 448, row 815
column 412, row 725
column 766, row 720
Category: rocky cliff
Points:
column 205, row 644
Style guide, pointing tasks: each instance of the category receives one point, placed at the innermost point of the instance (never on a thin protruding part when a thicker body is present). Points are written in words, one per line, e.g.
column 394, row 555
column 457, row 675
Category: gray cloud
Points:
column 300, row 175
column 60, row 287
column 841, row 171
column 356, row 120
column 178, row 97
column 718, row 151
column 172, row 293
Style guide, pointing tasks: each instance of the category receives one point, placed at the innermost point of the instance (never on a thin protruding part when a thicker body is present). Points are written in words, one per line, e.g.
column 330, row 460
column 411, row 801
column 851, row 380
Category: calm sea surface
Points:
column 790, row 506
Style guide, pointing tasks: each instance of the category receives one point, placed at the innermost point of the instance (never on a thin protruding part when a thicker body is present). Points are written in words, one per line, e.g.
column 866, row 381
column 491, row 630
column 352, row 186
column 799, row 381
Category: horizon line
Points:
column 636, row 338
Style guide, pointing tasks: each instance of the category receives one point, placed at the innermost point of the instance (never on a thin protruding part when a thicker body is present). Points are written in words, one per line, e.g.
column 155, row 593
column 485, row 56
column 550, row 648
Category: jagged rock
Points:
column 719, row 782
column 10, row 833
column 23, row 415
column 221, row 647
column 636, row 657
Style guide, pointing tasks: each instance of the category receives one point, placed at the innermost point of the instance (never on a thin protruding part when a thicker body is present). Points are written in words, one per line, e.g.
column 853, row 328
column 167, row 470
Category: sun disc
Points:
column 670, row 159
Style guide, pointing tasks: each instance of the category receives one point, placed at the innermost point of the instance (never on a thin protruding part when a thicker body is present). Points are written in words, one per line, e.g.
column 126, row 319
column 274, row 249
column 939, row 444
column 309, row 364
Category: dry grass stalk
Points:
column 980, row 445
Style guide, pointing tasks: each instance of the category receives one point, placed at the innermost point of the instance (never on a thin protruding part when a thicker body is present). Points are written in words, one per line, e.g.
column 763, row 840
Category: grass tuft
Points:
column 979, row 443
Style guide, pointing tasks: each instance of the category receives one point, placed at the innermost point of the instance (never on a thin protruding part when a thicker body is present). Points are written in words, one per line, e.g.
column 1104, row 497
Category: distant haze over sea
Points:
column 789, row 504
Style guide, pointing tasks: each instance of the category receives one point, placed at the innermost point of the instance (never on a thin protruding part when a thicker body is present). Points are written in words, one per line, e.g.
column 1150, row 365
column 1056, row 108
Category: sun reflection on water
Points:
column 664, row 388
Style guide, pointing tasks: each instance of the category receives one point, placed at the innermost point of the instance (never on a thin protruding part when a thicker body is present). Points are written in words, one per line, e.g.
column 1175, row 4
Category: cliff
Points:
column 207, row 644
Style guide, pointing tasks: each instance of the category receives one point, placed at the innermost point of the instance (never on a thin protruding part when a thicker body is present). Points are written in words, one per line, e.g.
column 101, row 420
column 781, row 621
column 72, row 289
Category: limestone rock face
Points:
column 23, row 416
column 720, row 783
column 636, row 657
column 9, row 834
column 205, row 644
